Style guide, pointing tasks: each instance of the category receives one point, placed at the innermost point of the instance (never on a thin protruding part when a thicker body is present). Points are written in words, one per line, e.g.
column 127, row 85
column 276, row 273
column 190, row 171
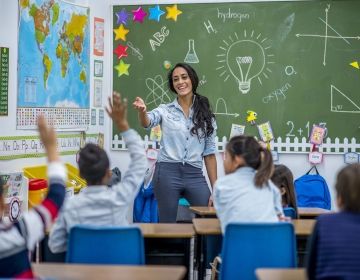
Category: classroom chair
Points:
column 248, row 246
column 105, row 245
column 290, row 212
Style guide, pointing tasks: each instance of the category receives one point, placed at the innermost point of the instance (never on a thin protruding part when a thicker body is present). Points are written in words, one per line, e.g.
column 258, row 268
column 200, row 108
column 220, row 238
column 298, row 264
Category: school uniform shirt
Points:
column 101, row 205
column 16, row 240
column 237, row 199
column 334, row 251
column 177, row 143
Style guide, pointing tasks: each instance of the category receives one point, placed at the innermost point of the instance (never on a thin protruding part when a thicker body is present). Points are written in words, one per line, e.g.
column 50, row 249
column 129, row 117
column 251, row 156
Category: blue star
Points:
column 156, row 13
column 122, row 17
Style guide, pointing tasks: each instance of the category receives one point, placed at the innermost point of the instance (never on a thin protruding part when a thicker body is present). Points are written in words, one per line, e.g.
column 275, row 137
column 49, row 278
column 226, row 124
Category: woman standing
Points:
column 188, row 136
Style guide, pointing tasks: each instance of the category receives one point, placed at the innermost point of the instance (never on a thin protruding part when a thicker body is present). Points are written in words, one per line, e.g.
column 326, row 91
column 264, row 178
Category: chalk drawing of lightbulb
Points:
column 244, row 59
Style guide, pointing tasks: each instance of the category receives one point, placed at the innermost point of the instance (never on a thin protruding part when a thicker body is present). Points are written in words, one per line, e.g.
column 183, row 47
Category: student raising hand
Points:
column 19, row 238
column 48, row 138
column 117, row 111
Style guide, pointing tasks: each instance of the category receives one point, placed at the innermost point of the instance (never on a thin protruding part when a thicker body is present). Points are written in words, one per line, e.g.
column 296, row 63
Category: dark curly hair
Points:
column 93, row 163
column 203, row 115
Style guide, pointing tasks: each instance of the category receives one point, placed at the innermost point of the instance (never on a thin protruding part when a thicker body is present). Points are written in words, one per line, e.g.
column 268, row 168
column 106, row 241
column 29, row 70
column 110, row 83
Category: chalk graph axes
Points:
column 326, row 36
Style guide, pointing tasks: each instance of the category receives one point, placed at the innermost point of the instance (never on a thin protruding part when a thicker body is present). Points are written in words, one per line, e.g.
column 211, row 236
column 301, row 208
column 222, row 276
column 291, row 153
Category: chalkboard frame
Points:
column 286, row 145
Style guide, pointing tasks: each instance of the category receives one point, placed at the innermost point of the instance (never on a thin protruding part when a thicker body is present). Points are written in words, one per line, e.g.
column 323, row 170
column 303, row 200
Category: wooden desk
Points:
column 109, row 272
column 303, row 227
column 304, row 212
column 311, row 213
column 167, row 230
column 281, row 274
column 166, row 241
column 203, row 211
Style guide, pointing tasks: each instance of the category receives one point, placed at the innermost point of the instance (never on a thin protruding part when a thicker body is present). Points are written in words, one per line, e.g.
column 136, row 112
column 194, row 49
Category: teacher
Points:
column 188, row 136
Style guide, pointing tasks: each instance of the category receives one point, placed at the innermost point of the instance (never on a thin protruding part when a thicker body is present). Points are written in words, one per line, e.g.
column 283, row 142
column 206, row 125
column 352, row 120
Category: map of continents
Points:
column 53, row 61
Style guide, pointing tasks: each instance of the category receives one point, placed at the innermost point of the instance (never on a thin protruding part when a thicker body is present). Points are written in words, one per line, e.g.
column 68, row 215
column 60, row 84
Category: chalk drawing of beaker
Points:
column 191, row 56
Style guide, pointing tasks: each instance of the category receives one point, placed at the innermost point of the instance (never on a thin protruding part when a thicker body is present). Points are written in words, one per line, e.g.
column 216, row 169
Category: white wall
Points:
column 9, row 38
column 102, row 8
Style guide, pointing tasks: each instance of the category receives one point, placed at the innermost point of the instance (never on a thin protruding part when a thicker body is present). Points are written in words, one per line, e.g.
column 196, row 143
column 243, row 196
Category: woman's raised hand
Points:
column 139, row 104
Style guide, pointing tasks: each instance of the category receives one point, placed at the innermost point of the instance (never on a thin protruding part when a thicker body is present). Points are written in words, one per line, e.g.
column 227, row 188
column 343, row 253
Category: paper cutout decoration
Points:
column 317, row 135
column 173, row 12
column 120, row 51
column 355, row 64
column 275, row 155
column 251, row 117
column 315, row 157
column 155, row 134
column 266, row 132
column 120, row 33
column 139, row 15
column 155, row 13
column 237, row 129
column 351, row 157
column 122, row 17
column 152, row 154
column 122, row 68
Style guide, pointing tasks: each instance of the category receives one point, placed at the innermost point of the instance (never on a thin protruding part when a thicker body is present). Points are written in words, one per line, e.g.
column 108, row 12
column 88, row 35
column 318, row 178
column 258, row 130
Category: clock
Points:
column 14, row 209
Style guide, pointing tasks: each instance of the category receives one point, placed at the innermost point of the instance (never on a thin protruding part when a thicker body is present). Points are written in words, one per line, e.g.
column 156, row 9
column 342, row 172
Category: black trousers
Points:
column 174, row 180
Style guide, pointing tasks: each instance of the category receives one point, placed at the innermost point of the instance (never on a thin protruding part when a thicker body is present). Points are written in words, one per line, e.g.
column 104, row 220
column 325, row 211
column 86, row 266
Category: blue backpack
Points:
column 312, row 191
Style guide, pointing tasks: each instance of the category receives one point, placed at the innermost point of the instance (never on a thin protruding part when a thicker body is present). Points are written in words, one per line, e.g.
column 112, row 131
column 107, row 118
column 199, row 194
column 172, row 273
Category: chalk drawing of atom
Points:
column 158, row 91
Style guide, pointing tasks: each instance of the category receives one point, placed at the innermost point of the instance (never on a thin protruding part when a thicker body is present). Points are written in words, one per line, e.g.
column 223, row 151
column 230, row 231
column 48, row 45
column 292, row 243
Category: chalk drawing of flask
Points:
column 191, row 56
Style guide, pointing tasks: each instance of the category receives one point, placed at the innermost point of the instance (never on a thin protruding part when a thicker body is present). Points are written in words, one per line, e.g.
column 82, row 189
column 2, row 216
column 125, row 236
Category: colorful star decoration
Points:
column 120, row 33
column 139, row 15
column 155, row 13
column 122, row 68
column 173, row 12
column 122, row 17
column 120, row 51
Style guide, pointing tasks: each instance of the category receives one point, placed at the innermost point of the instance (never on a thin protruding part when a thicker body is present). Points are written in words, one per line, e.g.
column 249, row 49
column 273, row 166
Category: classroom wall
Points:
column 9, row 38
column 102, row 8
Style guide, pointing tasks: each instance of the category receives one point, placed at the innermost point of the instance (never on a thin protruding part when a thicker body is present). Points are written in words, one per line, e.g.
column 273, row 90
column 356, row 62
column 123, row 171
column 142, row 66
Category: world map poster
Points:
column 53, row 64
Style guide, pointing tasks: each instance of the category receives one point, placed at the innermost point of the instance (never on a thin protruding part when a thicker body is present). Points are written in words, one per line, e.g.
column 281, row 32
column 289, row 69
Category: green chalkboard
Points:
column 295, row 63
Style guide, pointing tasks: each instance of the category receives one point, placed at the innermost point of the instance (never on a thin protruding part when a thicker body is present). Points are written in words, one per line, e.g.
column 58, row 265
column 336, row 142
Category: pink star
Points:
column 139, row 15
column 120, row 51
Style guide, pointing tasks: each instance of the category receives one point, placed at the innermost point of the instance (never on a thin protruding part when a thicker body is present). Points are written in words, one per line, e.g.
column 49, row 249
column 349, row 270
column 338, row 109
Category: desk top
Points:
column 304, row 212
column 212, row 226
column 281, row 274
column 311, row 212
column 203, row 210
column 63, row 271
column 167, row 230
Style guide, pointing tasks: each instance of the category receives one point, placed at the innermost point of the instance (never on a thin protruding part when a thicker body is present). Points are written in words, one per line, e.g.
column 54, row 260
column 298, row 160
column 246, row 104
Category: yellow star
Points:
column 122, row 68
column 173, row 12
column 120, row 33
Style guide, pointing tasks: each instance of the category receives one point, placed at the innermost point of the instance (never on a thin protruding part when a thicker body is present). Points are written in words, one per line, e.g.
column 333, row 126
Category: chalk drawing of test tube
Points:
column 135, row 51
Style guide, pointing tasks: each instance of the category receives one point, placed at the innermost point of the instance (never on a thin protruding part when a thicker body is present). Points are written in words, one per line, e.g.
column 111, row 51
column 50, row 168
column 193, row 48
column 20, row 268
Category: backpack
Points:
column 312, row 191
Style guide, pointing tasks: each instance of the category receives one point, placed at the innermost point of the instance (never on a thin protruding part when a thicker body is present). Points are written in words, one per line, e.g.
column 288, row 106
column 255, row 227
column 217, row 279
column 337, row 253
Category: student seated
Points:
column 284, row 180
column 334, row 246
column 98, row 204
column 245, row 193
column 17, row 239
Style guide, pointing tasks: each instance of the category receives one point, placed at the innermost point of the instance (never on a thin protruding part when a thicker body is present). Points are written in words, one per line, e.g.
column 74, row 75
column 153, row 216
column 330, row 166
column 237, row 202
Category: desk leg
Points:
column 200, row 256
column 191, row 259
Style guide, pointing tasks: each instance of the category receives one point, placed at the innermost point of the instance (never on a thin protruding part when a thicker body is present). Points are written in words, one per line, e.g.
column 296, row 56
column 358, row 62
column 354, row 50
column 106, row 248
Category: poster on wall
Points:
column 98, row 36
column 53, row 64
column 4, row 81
